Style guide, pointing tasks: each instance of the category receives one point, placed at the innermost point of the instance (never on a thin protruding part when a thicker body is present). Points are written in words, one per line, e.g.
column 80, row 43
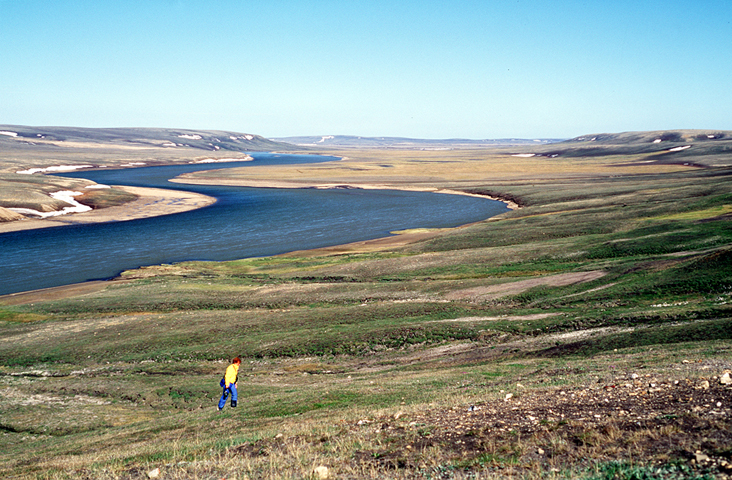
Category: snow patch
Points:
column 222, row 160
column 190, row 137
column 170, row 144
column 65, row 196
column 658, row 140
column 9, row 134
column 524, row 155
column 711, row 136
column 132, row 164
column 328, row 137
column 97, row 186
column 56, row 168
column 678, row 149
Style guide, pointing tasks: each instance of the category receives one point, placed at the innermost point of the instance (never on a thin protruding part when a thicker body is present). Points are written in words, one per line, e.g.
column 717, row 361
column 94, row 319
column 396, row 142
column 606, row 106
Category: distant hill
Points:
column 166, row 138
column 699, row 147
column 351, row 141
column 654, row 137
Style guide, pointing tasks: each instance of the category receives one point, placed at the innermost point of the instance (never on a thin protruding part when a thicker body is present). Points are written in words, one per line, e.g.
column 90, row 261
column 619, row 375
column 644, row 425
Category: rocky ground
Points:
column 682, row 428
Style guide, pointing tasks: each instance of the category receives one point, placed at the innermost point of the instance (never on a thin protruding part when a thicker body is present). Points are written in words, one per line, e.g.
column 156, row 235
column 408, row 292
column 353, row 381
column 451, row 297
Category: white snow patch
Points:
column 222, row 160
column 658, row 140
column 524, row 155
column 9, row 134
column 711, row 136
column 56, row 168
column 97, row 186
column 190, row 137
column 65, row 196
column 132, row 164
column 678, row 149
column 328, row 137
column 169, row 144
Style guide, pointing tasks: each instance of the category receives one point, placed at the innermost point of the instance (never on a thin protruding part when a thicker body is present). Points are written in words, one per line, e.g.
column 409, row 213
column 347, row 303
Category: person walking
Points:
column 229, row 383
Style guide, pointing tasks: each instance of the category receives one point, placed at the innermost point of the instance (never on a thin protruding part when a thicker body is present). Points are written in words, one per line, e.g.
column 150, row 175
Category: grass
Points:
column 365, row 361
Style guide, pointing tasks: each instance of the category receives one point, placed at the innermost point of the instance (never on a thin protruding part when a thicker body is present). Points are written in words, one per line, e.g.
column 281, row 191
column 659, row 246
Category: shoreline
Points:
column 154, row 202
column 185, row 180
column 151, row 202
column 396, row 239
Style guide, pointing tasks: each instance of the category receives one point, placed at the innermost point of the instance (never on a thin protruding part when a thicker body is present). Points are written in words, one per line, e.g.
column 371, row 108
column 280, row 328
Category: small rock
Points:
column 322, row 472
column 700, row 457
column 540, row 451
column 509, row 396
column 725, row 379
column 704, row 384
column 153, row 473
column 634, row 376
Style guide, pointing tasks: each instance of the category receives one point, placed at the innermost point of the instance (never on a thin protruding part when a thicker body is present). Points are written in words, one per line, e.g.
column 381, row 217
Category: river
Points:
column 243, row 223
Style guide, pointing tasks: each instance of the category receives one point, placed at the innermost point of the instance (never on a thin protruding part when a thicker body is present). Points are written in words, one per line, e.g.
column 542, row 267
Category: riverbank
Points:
column 190, row 179
column 151, row 202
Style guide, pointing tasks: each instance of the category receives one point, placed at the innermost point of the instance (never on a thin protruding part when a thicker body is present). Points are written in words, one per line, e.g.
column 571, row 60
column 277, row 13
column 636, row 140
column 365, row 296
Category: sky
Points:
column 419, row 69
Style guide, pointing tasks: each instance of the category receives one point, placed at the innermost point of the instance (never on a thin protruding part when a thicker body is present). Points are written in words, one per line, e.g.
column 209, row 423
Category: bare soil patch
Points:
column 53, row 293
column 490, row 292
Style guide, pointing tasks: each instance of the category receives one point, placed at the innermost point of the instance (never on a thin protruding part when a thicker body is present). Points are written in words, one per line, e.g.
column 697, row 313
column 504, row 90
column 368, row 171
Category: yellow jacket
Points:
column 232, row 373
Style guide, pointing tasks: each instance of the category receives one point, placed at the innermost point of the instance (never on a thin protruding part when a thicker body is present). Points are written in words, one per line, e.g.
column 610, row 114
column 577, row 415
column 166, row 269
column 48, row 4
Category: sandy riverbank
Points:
column 151, row 202
column 186, row 179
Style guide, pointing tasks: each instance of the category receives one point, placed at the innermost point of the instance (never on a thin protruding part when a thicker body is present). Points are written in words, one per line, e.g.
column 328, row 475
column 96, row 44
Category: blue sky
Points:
column 427, row 69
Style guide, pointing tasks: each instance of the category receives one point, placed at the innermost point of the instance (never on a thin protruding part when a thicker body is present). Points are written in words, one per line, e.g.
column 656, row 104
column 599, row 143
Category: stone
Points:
column 155, row 473
column 701, row 457
column 704, row 385
column 725, row 379
column 322, row 472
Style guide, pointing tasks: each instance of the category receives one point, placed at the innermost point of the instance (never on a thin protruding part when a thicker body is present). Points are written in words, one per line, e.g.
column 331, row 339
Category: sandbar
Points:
column 238, row 182
column 151, row 202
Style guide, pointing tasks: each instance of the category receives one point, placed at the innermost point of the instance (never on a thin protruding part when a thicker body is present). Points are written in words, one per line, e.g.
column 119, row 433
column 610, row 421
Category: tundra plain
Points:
column 585, row 334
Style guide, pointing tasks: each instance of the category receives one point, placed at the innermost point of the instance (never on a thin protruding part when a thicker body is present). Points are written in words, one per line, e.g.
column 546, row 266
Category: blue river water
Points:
column 243, row 223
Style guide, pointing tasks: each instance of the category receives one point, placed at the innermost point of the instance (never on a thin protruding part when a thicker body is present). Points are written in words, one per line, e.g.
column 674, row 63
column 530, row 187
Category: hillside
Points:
column 29, row 152
column 26, row 137
column 586, row 334
column 714, row 147
column 352, row 141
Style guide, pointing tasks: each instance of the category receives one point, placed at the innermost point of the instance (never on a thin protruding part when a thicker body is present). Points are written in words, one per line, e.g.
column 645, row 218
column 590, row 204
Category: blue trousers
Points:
column 234, row 396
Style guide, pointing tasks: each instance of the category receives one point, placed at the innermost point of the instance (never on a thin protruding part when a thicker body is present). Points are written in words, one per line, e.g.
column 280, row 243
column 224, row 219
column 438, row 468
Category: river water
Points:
column 243, row 223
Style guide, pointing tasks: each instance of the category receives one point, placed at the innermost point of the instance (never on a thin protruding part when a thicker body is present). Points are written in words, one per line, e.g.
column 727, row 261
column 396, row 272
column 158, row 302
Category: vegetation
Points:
column 570, row 338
